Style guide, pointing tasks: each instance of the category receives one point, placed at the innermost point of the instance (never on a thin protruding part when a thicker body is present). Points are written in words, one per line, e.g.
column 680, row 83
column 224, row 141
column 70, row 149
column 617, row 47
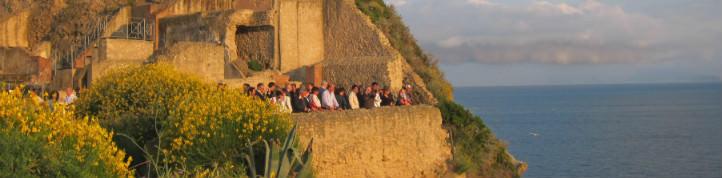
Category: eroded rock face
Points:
column 382, row 142
column 255, row 43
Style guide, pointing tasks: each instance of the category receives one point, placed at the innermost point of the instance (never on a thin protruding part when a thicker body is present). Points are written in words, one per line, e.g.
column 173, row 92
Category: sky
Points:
column 561, row 42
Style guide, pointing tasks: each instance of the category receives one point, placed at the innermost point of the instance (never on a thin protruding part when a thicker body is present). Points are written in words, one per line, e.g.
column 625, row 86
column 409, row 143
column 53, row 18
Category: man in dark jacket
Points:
column 300, row 102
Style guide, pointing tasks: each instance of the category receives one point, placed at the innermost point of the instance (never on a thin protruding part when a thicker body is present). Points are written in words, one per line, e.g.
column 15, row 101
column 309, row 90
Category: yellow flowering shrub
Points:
column 38, row 142
column 132, row 100
column 211, row 127
column 198, row 125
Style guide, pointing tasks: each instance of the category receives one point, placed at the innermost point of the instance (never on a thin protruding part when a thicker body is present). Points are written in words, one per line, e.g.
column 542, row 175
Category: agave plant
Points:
column 280, row 163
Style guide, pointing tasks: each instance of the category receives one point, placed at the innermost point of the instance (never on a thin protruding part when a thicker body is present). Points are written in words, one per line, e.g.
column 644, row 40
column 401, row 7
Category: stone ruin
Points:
column 229, row 41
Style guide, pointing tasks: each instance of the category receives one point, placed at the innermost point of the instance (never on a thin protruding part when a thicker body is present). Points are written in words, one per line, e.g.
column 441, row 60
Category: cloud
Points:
column 548, row 7
column 397, row 3
column 452, row 42
column 480, row 2
column 586, row 32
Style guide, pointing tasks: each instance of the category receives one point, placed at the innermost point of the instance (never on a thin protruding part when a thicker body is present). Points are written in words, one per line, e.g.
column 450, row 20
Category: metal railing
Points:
column 64, row 59
column 136, row 29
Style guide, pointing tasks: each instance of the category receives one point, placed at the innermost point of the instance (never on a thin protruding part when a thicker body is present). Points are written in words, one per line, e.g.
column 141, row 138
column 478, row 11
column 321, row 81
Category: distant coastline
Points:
column 596, row 84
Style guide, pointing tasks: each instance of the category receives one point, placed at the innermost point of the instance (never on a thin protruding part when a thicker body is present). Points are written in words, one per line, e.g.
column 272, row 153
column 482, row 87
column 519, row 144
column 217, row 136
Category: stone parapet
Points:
column 383, row 142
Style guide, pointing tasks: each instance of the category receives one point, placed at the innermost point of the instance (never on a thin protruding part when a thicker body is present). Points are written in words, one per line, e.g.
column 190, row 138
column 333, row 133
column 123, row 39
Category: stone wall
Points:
column 218, row 27
column 14, row 30
column 349, row 33
column 16, row 61
column 118, row 52
column 301, row 33
column 185, row 7
column 364, row 70
column 383, row 142
column 118, row 22
column 256, row 43
column 203, row 59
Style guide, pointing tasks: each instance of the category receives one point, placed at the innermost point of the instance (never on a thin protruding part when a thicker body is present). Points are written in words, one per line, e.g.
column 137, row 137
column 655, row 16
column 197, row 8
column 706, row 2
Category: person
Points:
column 309, row 87
column 409, row 94
column 292, row 94
column 377, row 94
column 328, row 98
column 353, row 99
column 70, row 96
column 387, row 99
column 301, row 102
column 368, row 101
column 315, row 103
column 283, row 101
column 260, row 91
column 404, row 99
column 251, row 92
column 342, row 99
column 271, row 92
column 322, row 89
column 53, row 99
column 291, row 89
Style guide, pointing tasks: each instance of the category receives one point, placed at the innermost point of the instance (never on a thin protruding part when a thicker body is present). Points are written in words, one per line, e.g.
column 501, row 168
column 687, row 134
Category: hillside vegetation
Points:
column 477, row 152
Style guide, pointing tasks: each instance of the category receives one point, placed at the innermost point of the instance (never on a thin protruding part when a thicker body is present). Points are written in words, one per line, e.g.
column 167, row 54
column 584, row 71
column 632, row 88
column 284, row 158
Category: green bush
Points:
column 178, row 122
column 254, row 65
column 38, row 142
column 476, row 149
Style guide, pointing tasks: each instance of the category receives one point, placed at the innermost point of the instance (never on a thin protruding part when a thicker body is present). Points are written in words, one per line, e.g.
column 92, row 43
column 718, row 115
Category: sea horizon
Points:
column 598, row 131
column 591, row 84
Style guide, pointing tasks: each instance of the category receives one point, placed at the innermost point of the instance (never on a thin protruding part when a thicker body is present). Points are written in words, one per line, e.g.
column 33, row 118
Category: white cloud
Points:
column 452, row 42
column 538, row 31
column 397, row 3
column 480, row 2
column 546, row 7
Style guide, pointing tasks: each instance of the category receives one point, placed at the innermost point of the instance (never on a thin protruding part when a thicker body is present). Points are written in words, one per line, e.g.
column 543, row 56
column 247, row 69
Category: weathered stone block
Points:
column 203, row 59
column 381, row 142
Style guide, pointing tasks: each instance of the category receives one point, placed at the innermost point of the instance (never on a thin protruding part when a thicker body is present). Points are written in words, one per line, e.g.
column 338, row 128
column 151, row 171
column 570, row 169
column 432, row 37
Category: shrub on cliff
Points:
column 37, row 142
column 179, row 121
column 477, row 151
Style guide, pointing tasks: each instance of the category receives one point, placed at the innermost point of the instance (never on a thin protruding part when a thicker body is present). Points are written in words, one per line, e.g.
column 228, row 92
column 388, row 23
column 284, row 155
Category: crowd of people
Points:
column 329, row 97
column 290, row 98
column 39, row 95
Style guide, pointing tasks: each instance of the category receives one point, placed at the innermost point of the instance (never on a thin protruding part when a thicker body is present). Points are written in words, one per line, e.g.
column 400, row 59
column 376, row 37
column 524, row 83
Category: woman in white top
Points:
column 353, row 98
column 284, row 102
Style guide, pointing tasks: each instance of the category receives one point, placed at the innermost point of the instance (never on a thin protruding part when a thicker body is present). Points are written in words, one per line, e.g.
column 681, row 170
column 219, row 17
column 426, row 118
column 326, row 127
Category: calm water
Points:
column 607, row 131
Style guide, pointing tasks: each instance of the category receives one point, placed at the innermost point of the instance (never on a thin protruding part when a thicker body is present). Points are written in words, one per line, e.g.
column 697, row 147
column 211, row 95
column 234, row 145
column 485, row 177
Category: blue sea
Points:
column 606, row 131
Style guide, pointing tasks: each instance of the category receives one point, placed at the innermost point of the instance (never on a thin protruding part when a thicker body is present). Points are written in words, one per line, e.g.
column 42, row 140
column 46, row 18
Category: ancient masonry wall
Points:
column 16, row 61
column 14, row 30
column 381, row 142
column 119, row 21
column 301, row 33
column 351, row 40
column 348, row 32
column 198, row 58
column 364, row 70
column 119, row 52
